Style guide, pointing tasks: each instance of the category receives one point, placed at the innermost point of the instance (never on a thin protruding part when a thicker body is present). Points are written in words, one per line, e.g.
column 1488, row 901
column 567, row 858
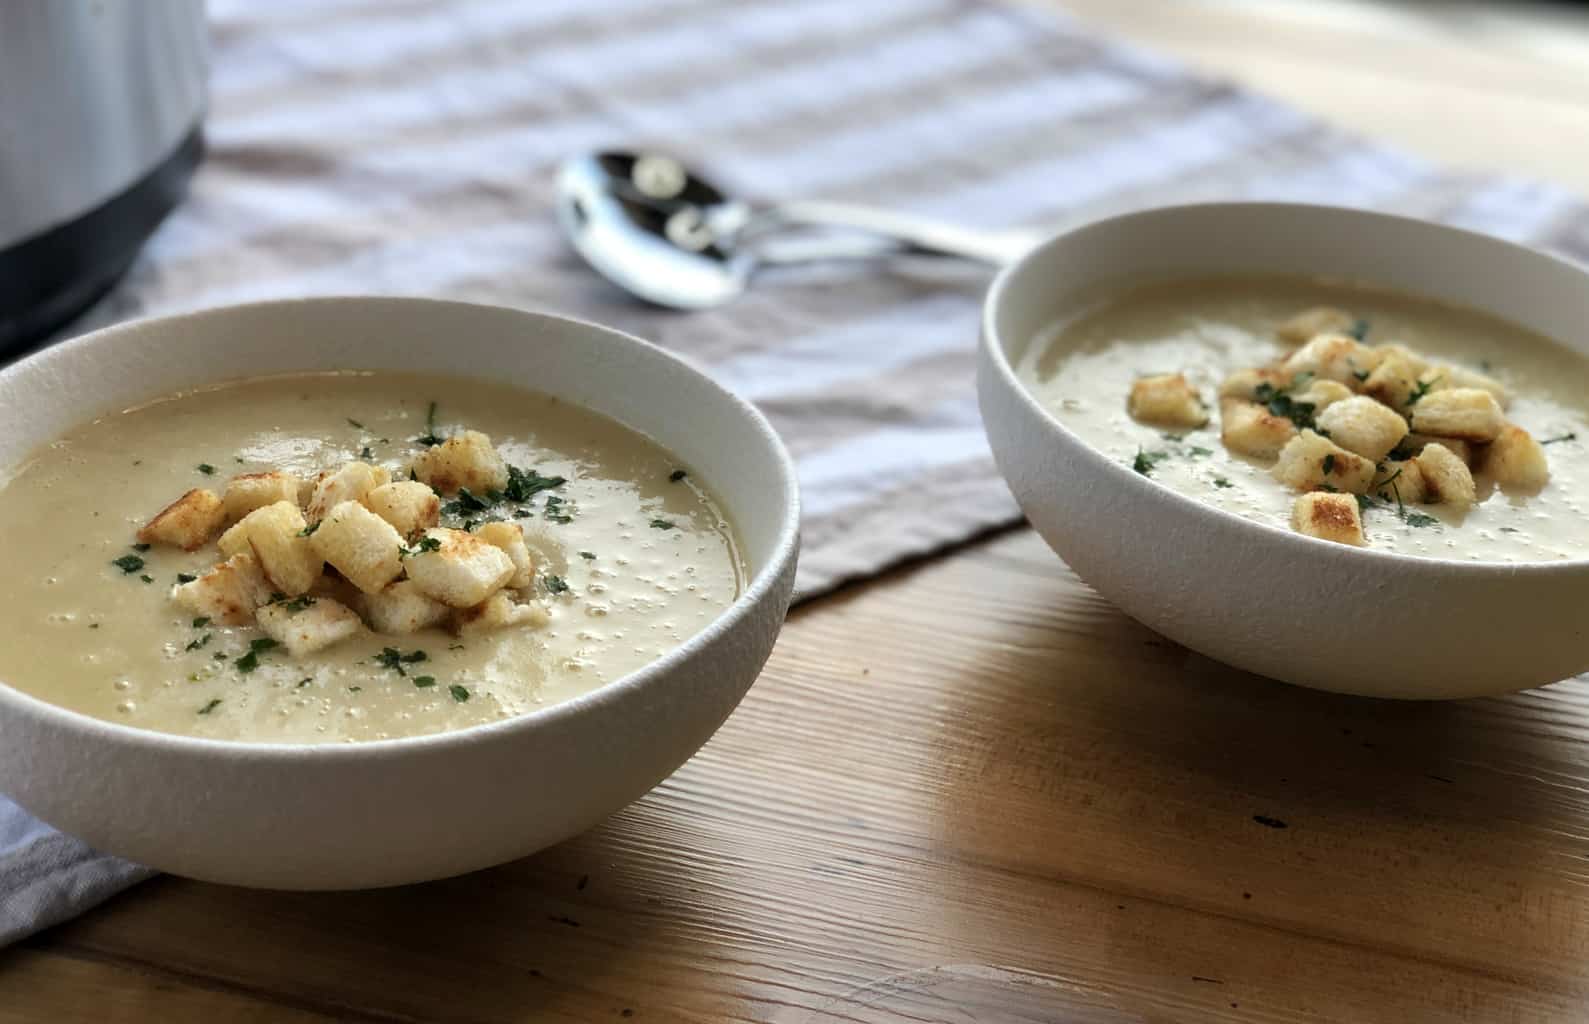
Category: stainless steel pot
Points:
column 101, row 106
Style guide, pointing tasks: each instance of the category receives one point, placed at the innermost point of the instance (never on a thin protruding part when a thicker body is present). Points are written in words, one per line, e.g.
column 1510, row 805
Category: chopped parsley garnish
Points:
column 186, row 577
column 214, row 703
column 201, row 622
column 1197, row 452
column 1144, row 462
column 1173, row 438
column 663, row 524
column 140, row 548
column 465, row 502
column 147, row 578
column 308, row 531
column 297, row 604
column 1571, row 435
column 1359, row 330
column 220, row 656
column 424, row 681
column 305, row 681
column 206, row 469
column 555, row 584
column 128, row 564
column 525, row 483
column 1421, row 389
column 355, row 424
column 677, row 475
column 1222, row 483
column 1510, row 529
column 366, row 453
column 355, row 689
column 1280, row 403
column 392, row 658
column 250, row 661
column 202, row 641
column 425, row 544
column 1419, row 519
column 430, row 438
column 459, row 693
column 589, row 556
column 554, row 510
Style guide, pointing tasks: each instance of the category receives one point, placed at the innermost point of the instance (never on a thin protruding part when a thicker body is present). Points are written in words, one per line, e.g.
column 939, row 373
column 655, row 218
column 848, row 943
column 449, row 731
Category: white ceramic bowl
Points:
column 1260, row 598
column 396, row 811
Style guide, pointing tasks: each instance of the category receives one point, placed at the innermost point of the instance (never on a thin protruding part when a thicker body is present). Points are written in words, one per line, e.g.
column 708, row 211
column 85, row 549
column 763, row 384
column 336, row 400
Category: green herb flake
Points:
column 423, row 681
column 247, row 663
column 355, row 689
column 1571, row 435
column 459, row 693
column 366, row 453
column 555, row 584
column 201, row 622
column 1420, row 390
column 141, row 548
column 1145, row 461
column 298, row 604
column 305, row 681
column 663, row 524
column 355, row 424
column 186, row 577
column 128, row 564
column 430, row 438
column 425, row 544
column 214, row 703
column 589, row 556
column 394, row 659
column 1222, row 483
column 220, row 656
column 1510, row 529
column 1419, row 519
column 677, row 475
column 1359, row 330
column 147, row 578
column 202, row 641
column 465, row 502
column 1198, row 453
column 555, row 511
column 308, row 531
column 1280, row 403
column 206, row 469
column 523, row 484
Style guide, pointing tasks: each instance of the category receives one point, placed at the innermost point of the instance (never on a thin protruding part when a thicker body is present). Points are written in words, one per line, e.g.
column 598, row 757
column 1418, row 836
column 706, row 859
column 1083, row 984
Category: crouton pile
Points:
column 1344, row 422
column 312, row 563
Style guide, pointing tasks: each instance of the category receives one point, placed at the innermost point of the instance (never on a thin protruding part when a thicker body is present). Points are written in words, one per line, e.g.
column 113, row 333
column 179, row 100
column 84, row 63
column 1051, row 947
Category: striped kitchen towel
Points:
column 409, row 146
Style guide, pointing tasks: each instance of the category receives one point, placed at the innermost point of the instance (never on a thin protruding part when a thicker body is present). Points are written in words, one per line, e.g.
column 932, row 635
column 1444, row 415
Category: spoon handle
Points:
column 910, row 233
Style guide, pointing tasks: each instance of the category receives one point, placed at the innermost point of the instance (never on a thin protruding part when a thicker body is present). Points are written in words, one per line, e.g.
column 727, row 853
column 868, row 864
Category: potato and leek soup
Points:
column 350, row 556
column 1343, row 412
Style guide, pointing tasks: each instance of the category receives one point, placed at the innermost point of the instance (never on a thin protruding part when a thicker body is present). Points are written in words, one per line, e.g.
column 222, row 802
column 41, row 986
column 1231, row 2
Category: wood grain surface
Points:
column 976, row 778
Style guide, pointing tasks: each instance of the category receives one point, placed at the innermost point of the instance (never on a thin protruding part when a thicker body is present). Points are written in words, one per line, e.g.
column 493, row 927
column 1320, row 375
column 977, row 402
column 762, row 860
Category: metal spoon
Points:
column 669, row 236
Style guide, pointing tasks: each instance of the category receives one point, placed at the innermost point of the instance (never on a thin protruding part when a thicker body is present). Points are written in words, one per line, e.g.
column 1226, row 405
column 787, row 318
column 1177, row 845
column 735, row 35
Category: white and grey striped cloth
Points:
column 407, row 146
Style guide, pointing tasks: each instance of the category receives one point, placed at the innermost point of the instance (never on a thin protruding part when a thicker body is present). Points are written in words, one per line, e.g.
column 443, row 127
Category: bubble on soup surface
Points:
column 127, row 707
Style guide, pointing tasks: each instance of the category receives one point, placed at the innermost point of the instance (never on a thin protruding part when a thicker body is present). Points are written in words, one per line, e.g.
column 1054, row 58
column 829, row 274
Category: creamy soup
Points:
column 1083, row 369
column 631, row 556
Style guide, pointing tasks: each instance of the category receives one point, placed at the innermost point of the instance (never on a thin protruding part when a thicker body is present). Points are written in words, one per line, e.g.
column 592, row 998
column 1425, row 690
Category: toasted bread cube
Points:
column 1328, row 516
column 274, row 535
column 360, row 545
column 1412, row 361
column 332, row 585
column 465, row 460
column 1250, row 429
column 1445, row 378
column 228, row 594
column 1245, row 383
column 248, row 491
column 510, row 538
column 350, row 483
column 498, row 611
column 1446, row 477
column 1311, row 462
column 1400, row 482
column 410, row 506
column 309, row 625
column 1310, row 323
column 1515, row 461
column 1392, row 382
column 1464, row 450
column 463, row 571
column 1467, row 413
column 1166, row 400
column 1321, row 394
column 187, row 522
column 1331, row 357
column 1360, row 424
column 402, row 608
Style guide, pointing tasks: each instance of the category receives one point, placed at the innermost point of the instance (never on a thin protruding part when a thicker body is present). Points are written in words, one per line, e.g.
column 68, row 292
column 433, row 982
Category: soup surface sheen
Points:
column 88, row 636
column 1083, row 369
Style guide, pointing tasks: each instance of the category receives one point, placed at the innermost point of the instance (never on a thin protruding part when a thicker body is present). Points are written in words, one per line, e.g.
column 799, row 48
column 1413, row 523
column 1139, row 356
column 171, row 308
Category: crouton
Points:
column 1444, row 378
column 186, row 523
column 274, row 535
column 464, row 460
column 332, row 585
column 410, row 506
column 510, row 538
column 361, row 545
column 1446, row 477
column 1250, row 429
column 462, row 570
column 1360, row 424
column 1467, row 413
column 1311, row 462
column 1416, row 442
column 1400, row 482
column 1245, row 383
column 1330, row 357
column 227, row 594
column 1414, row 362
column 1392, row 382
column 402, row 608
column 249, row 491
column 350, row 483
column 1310, row 323
column 1328, row 516
column 1166, row 400
column 498, row 612
column 1515, row 461
column 308, row 624
column 1321, row 394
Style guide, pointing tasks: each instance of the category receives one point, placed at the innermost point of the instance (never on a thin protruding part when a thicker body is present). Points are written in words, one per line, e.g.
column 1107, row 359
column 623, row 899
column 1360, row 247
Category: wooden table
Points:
column 978, row 761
